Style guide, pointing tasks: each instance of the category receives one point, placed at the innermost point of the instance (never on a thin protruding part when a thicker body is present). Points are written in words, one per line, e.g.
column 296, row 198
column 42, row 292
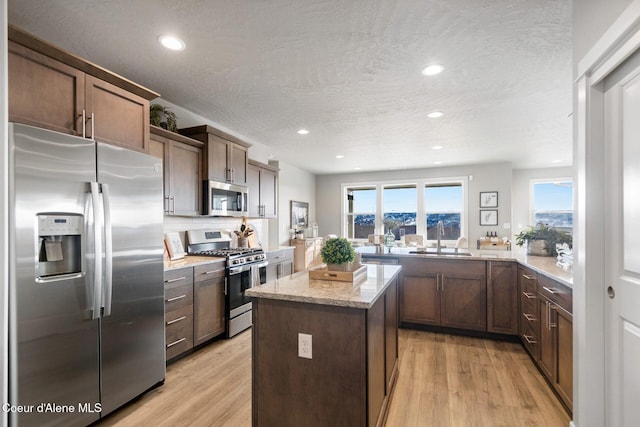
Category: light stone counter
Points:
column 299, row 288
column 543, row 265
column 191, row 261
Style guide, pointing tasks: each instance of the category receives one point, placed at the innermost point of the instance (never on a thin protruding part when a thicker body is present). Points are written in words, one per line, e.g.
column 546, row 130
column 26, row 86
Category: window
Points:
column 553, row 203
column 400, row 208
column 361, row 212
column 444, row 202
column 374, row 208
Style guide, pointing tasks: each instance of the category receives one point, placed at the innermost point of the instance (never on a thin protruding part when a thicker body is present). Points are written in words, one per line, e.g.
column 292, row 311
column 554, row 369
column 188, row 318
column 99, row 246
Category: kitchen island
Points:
column 325, row 352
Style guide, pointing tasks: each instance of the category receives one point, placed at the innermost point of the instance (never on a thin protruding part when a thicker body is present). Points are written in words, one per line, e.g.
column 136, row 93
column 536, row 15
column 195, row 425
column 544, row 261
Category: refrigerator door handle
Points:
column 97, row 260
column 108, row 248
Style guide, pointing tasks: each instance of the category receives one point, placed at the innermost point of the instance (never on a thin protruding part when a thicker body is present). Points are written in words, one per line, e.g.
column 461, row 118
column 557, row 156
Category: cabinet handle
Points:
column 175, row 280
column 528, row 277
column 528, row 295
column 552, row 291
column 176, row 342
column 176, row 320
column 529, row 317
column 176, row 298
column 93, row 126
column 172, row 199
column 550, row 324
column 84, row 123
column 529, row 339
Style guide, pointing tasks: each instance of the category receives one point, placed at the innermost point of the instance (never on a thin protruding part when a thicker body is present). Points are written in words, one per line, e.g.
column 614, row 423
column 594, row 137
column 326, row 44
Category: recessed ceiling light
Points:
column 303, row 132
column 432, row 70
column 435, row 114
column 556, row 161
column 357, row 169
column 437, row 163
column 437, row 147
column 339, row 156
column 171, row 42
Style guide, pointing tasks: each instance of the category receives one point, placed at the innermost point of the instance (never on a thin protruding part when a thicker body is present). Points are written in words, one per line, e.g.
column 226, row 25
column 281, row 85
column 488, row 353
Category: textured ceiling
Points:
column 347, row 70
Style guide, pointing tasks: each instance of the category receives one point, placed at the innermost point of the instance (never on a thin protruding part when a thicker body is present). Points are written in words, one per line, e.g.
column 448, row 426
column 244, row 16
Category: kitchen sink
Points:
column 447, row 254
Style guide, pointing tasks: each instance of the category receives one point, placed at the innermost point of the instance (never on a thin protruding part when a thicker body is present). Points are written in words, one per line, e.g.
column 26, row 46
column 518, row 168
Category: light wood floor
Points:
column 444, row 380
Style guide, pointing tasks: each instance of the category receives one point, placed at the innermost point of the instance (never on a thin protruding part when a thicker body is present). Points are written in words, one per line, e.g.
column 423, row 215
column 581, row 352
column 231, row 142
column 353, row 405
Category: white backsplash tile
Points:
column 182, row 224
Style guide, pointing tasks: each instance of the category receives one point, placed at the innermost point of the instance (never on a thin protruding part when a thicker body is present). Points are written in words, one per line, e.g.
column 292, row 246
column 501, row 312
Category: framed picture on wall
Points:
column 488, row 199
column 299, row 214
column 489, row 217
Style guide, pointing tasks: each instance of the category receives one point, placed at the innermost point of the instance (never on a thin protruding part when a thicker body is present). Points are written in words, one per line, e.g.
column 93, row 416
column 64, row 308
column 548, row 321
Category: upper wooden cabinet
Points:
column 182, row 163
column 53, row 89
column 226, row 157
column 262, row 181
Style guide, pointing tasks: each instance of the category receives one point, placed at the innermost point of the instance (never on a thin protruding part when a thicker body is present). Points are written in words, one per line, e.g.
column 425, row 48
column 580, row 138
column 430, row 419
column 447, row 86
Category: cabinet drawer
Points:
column 208, row 271
column 179, row 330
column 178, row 277
column 530, row 338
column 280, row 256
column 556, row 292
column 528, row 280
column 177, row 296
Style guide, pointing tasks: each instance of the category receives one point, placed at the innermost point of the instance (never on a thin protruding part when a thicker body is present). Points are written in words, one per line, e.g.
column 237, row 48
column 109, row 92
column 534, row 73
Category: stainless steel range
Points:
column 246, row 267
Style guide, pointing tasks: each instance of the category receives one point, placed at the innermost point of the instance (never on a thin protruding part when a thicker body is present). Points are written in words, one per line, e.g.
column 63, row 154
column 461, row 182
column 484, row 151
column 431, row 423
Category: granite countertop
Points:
column 299, row 288
column 542, row 265
column 191, row 261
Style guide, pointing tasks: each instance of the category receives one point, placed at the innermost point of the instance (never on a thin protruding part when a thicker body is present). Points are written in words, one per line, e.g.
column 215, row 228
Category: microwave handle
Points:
column 240, row 201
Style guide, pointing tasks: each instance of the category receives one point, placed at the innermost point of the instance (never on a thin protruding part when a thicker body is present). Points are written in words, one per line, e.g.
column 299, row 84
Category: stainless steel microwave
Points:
column 225, row 199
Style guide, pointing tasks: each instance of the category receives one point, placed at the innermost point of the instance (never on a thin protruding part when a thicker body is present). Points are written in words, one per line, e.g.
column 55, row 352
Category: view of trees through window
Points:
column 553, row 203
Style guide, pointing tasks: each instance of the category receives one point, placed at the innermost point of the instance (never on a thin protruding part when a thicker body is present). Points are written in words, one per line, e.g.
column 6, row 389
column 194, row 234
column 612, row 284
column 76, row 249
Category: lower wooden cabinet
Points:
column 451, row 293
column 178, row 308
column 209, row 289
column 555, row 357
column 502, row 297
column 280, row 263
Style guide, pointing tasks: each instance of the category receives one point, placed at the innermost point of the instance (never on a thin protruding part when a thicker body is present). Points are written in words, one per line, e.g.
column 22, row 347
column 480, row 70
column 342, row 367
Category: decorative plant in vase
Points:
column 161, row 116
column 542, row 239
column 338, row 254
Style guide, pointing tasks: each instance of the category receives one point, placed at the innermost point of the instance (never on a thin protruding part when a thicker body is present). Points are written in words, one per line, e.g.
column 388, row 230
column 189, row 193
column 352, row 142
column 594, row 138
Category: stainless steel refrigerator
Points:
column 86, row 277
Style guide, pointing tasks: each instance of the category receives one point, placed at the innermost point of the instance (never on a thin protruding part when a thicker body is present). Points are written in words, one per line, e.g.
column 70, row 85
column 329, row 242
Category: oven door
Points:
column 240, row 279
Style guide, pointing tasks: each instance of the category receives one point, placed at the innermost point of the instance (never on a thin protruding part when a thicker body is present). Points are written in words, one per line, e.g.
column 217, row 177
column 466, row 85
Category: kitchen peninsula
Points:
column 325, row 352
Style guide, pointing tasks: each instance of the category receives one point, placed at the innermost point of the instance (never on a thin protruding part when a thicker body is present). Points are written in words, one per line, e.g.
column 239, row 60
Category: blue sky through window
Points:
column 549, row 196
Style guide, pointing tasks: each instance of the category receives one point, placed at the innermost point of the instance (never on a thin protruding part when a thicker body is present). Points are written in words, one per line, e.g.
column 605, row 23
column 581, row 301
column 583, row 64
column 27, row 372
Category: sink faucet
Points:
column 439, row 235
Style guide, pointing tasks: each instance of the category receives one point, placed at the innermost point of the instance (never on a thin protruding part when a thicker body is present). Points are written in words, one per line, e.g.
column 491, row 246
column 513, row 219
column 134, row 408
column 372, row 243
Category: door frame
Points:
column 4, row 217
column 619, row 42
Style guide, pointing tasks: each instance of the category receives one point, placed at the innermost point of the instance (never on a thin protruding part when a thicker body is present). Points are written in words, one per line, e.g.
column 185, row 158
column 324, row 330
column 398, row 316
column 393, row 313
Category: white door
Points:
column 622, row 244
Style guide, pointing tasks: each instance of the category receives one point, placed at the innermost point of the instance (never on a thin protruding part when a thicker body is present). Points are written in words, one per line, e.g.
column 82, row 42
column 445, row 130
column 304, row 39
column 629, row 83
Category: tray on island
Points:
column 356, row 275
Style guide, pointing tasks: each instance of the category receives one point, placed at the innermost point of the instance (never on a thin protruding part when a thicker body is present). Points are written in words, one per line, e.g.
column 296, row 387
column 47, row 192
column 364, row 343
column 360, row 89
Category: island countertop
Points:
column 299, row 288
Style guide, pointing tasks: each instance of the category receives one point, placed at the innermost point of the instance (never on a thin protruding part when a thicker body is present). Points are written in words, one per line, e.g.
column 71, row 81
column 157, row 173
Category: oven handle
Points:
column 246, row 267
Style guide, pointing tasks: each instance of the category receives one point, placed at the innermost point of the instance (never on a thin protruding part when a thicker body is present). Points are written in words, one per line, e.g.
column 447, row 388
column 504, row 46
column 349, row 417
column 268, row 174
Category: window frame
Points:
column 420, row 184
column 534, row 181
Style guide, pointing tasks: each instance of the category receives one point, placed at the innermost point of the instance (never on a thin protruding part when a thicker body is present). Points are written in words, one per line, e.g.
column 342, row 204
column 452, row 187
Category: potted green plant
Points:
column 338, row 253
column 163, row 117
column 542, row 239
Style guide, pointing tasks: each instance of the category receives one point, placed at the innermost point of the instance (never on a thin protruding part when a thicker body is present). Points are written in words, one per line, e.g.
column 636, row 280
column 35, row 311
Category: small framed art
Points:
column 489, row 217
column 488, row 199
column 174, row 246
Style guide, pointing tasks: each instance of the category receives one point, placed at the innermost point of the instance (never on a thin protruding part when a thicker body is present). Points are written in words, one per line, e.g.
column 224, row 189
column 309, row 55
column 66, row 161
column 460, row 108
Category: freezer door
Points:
column 53, row 341
column 132, row 327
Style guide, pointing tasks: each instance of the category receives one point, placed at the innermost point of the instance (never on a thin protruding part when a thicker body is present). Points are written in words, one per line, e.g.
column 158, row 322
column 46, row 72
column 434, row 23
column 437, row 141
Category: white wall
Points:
column 520, row 197
column 486, row 177
column 299, row 185
column 4, row 209
column 591, row 18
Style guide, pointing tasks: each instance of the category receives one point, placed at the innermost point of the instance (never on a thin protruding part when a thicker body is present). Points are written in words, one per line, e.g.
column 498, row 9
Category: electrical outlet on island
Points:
column 304, row 346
